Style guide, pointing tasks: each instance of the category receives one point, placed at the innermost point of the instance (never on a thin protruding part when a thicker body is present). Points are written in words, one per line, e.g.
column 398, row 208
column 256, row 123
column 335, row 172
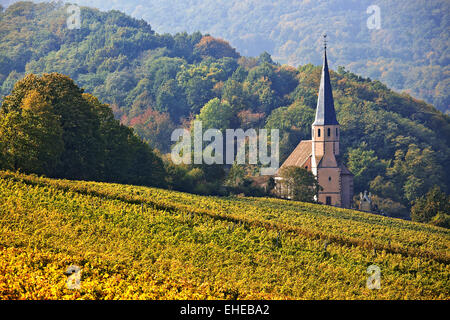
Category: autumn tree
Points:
column 79, row 122
column 434, row 207
column 48, row 126
column 156, row 126
column 216, row 48
column 31, row 136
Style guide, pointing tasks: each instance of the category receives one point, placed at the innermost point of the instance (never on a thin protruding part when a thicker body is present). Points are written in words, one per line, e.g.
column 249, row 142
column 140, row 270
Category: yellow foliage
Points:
column 146, row 243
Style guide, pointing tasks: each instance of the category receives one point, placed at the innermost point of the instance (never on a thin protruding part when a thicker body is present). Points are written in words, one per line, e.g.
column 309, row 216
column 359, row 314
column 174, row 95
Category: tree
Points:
column 294, row 123
column 364, row 165
column 156, row 127
column 124, row 157
column 216, row 48
column 235, row 95
column 300, row 184
column 390, row 207
column 265, row 57
column 236, row 175
column 432, row 208
column 79, row 122
column 216, row 115
column 198, row 82
column 417, row 171
column 48, row 126
column 31, row 136
column 171, row 99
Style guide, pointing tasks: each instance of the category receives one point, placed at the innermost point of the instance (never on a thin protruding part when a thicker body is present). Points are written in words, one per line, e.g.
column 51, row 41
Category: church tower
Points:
column 325, row 129
column 325, row 141
column 320, row 155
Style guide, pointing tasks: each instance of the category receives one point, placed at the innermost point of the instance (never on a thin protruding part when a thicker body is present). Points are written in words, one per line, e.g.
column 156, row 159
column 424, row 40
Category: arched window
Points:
column 337, row 134
column 329, row 131
column 329, row 178
column 318, row 132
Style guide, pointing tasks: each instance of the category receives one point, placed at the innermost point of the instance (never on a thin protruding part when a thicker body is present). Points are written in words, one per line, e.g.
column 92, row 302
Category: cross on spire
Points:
column 325, row 42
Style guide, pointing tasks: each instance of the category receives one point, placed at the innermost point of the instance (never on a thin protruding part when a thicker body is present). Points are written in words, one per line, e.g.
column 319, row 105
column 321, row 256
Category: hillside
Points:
column 396, row 146
column 409, row 53
column 146, row 243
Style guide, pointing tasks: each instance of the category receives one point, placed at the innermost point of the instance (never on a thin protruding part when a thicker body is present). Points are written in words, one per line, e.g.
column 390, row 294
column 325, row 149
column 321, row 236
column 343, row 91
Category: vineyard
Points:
column 136, row 242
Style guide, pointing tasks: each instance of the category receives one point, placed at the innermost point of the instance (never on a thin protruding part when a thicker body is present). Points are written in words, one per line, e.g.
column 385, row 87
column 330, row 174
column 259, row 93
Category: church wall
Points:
column 331, row 187
column 347, row 190
column 335, row 199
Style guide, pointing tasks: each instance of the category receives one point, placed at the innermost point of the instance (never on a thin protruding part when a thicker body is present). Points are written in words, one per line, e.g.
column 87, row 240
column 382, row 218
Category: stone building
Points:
column 321, row 154
column 365, row 201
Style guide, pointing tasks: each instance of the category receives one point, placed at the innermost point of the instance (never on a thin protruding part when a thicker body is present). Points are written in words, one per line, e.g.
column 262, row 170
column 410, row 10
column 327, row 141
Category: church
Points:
column 321, row 154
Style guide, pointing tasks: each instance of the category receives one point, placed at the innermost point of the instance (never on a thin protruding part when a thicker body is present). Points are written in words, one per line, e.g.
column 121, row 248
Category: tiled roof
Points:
column 300, row 154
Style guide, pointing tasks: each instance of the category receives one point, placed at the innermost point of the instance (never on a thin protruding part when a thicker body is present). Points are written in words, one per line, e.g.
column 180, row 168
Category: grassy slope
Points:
column 138, row 242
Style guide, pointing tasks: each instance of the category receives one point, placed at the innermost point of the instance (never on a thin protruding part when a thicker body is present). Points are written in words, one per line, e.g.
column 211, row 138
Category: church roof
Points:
column 325, row 113
column 300, row 155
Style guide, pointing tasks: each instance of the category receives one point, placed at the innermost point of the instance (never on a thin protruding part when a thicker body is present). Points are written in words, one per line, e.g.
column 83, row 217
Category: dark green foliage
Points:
column 294, row 123
column 409, row 52
column 433, row 208
column 365, row 166
column 48, row 126
column 195, row 179
column 301, row 184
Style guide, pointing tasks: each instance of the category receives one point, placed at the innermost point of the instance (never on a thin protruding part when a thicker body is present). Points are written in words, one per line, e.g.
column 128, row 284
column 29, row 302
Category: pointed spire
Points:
column 325, row 113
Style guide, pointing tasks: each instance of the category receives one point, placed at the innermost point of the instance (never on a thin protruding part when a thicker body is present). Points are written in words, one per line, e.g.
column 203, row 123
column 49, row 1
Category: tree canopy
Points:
column 301, row 184
column 409, row 52
column 49, row 126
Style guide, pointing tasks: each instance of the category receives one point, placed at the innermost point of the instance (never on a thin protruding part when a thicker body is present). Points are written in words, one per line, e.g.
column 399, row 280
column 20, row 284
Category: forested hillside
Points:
column 410, row 52
column 397, row 146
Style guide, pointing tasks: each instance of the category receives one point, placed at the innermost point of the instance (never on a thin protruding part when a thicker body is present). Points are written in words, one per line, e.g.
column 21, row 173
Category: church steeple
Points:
column 320, row 155
column 325, row 113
